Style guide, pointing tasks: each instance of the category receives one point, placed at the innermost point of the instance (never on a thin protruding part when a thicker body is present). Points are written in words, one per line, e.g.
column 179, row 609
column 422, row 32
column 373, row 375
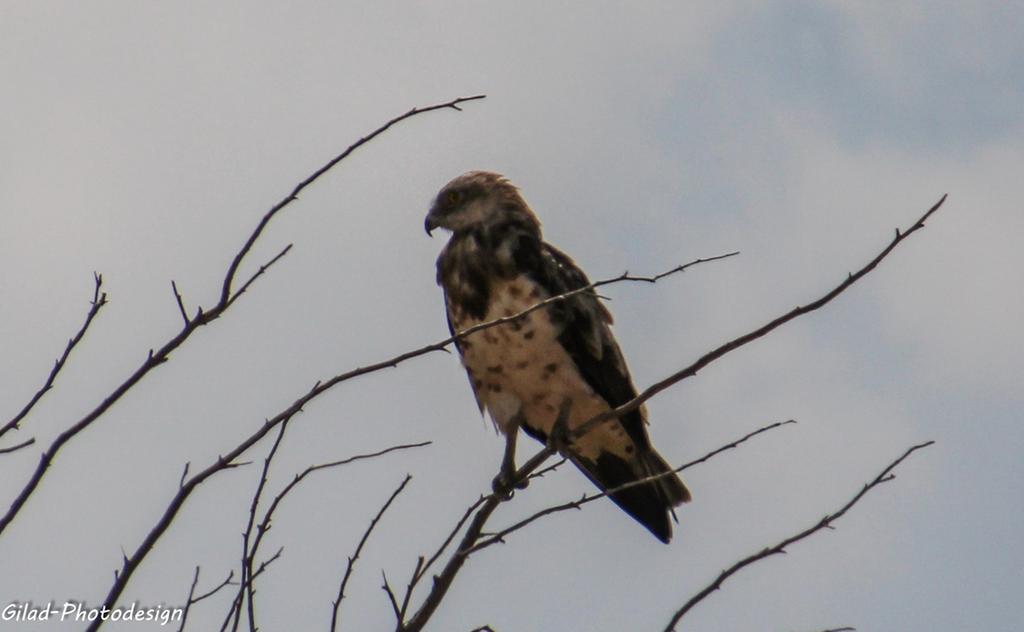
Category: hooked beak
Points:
column 430, row 223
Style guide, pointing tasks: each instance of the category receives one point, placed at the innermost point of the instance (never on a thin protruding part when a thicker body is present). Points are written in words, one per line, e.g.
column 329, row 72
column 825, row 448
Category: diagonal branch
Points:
column 885, row 476
column 335, row 615
column 99, row 299
column 294, row 195
column 760, row 332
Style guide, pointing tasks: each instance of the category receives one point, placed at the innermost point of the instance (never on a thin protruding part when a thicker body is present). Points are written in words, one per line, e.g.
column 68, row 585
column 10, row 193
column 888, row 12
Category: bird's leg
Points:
column 505, row 480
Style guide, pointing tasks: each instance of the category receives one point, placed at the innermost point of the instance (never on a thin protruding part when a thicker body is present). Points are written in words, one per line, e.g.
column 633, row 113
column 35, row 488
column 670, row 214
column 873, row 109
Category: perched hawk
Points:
column 561, row 357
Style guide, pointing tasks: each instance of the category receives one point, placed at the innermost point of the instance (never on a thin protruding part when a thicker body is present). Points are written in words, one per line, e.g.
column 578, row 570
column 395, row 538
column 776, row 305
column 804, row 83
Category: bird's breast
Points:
column 521, row 366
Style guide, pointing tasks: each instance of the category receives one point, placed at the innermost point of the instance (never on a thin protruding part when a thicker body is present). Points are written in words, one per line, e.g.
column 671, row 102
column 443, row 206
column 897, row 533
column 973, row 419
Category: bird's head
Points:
column 478, row 198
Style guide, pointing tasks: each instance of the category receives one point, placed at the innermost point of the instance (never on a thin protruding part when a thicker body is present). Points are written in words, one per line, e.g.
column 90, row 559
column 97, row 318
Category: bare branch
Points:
column 825, row 523
column 499, row 536
column 359, row 548
column 736, row 343
column 99, row 299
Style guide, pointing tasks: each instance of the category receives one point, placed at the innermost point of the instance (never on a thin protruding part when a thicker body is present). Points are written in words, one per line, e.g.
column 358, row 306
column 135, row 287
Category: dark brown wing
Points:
column 588, row 339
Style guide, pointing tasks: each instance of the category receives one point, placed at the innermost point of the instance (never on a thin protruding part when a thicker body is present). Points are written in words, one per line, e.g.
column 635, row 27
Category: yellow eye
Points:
column 454, row 197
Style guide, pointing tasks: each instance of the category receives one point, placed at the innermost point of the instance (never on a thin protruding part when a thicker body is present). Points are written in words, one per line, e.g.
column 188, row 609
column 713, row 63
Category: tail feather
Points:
column 650, row 503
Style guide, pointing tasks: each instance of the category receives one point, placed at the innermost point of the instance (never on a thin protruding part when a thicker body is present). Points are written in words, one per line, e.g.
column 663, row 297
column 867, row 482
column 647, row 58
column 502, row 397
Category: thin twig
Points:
column 213, row 591
column 16, row 447
column 99, row 299
column 386, row 587
column 294, row 195
column 551, row 468
column 825, row 523
column 262, row 269
column 335, row 615
column 188, row 601
column 180, row 301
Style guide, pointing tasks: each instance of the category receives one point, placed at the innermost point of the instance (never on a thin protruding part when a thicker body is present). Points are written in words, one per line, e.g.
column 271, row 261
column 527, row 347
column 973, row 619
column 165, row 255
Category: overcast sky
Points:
column 144, row 140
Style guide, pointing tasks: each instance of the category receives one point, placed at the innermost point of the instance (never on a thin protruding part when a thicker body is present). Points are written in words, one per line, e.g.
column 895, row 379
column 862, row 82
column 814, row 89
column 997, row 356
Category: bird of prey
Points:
column 558, row 361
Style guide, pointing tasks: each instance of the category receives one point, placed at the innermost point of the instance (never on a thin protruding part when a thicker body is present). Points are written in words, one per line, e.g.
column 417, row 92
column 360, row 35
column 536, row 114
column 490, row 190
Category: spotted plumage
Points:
column 496, row 265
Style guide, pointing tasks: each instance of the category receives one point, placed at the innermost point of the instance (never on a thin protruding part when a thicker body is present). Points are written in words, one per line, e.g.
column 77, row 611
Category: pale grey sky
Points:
column 144, row 140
